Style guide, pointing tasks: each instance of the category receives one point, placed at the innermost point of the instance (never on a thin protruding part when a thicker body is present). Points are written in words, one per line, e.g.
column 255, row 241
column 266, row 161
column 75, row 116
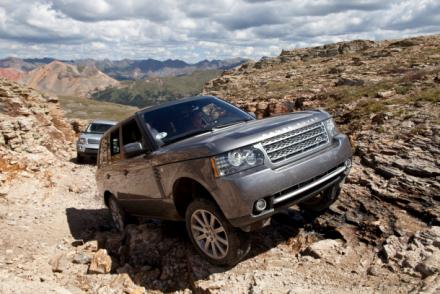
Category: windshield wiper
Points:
column 230, row 124
column 187, row 135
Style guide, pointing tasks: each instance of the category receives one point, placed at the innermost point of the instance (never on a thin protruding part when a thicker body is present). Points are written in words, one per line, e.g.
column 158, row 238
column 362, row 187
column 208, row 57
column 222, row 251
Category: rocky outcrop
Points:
column 418, row 254
column 329, row 50
column 33, row 132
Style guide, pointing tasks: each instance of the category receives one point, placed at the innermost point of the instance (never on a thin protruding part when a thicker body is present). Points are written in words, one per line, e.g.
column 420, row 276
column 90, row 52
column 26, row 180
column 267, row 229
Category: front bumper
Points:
column 282, row 186
column 87, row 149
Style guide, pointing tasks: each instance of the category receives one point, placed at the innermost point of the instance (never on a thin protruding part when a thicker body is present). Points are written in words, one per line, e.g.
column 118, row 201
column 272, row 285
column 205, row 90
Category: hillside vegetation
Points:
column 88, row 109
column 156, row 90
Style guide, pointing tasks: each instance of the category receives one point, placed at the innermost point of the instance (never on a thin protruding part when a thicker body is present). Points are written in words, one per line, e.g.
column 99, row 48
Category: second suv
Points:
column 88, row 141
column 207, row 162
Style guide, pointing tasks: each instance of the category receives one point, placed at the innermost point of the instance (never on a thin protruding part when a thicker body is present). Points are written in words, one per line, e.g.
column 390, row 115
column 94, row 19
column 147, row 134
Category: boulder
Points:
column 101, row 263
column 324, row 249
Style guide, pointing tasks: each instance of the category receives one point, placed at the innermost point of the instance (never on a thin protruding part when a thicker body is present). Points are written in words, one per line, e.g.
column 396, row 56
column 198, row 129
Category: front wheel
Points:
column 79, row 158
column 212, row 235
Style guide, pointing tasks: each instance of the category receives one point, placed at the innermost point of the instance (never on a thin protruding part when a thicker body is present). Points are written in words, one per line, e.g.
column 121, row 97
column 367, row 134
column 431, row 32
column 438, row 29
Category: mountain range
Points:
column 128, row 69
column 125, row 81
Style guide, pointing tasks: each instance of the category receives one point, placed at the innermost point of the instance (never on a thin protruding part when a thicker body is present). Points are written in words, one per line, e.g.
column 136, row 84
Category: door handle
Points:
column 125, row 172
column 108, row 176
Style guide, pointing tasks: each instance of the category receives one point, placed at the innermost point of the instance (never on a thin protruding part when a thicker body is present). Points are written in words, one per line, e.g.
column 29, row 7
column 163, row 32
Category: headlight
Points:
column 82, row 141
column 331, row 127
column 236, row 161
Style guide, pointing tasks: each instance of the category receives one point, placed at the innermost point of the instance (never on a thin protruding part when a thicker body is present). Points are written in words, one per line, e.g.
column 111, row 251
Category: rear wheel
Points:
column 321, row 202
column 212, row 235
column 117, row 213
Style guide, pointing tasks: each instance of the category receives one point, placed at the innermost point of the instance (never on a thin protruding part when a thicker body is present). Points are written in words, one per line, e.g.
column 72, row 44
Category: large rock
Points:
column 101, row 263
column 324, row 249
column 430, row 265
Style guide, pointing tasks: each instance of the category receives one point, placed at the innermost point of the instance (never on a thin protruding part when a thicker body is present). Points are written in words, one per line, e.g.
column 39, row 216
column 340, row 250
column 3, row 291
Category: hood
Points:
column 235, row 136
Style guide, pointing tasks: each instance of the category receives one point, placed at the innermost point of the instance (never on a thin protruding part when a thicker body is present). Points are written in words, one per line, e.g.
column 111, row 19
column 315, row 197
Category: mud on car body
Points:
column 205, row 161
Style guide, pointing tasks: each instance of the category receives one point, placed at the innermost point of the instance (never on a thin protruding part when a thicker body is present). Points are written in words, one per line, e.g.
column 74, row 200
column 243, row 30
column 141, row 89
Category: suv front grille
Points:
column 93, row 141
column 295, row 142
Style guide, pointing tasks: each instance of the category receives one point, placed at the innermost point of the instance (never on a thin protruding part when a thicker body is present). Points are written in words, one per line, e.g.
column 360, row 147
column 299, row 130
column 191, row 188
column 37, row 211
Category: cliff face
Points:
column 385, row 96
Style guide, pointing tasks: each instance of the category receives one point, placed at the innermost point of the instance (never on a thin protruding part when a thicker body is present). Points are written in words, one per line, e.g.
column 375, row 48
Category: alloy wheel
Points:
column 209, row 234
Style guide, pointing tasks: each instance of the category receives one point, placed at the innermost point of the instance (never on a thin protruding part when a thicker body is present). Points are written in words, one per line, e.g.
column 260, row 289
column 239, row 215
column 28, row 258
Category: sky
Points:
column 194, row 30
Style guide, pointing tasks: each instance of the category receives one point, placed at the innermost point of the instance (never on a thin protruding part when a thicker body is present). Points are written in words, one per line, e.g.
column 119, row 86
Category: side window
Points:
column 115, row 152
column 131, row 133
column 103, row 151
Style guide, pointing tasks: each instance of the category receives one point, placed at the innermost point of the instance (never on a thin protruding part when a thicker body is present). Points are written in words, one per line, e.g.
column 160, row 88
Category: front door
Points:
column 139, row 188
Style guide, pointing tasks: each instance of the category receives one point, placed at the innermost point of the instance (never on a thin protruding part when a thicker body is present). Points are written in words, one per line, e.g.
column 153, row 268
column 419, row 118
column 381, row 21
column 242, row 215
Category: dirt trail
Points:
column 36, row 223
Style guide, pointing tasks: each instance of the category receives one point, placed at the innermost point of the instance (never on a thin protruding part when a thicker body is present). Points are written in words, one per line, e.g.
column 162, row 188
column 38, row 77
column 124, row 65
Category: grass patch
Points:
column 427, row 95
column 84, row 108
column 280, row 86
column 368, row 107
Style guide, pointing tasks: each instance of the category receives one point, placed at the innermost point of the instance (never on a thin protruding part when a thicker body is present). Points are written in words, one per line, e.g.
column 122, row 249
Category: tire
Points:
column 321, row 202
column 118, row 215
column 79, row 158
column 213, row 236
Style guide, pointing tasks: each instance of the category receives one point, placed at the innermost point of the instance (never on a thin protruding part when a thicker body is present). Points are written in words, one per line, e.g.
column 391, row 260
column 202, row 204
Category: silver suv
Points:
column 207, row 162
column 88, row 141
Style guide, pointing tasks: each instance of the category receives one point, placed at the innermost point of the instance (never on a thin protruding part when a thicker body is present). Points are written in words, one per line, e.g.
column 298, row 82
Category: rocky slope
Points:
column 32, row 129
column 68, row 80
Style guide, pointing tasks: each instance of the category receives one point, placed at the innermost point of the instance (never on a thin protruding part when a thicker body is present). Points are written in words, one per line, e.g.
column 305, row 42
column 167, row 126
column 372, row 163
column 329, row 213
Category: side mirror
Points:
column 252, row 114
column 133, row 149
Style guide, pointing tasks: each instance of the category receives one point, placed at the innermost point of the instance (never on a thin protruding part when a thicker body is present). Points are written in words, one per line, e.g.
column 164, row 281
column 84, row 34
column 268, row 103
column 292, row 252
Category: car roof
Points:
column 105, row 122
column 174, row 102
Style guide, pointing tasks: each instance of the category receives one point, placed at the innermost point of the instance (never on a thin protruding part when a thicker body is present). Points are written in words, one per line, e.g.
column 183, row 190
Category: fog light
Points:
column 260, row 205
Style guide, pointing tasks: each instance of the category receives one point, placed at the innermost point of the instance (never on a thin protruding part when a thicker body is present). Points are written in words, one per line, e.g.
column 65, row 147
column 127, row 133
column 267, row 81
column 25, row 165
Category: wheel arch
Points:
column 107, row 195
column 185, row 190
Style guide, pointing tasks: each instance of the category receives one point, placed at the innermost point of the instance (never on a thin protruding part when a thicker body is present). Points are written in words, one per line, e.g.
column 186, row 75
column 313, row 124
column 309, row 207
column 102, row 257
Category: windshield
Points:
column 183, row 120
column 98, row 128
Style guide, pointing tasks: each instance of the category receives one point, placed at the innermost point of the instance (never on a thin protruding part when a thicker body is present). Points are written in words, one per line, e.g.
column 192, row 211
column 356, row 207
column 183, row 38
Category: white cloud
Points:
column 196, row 29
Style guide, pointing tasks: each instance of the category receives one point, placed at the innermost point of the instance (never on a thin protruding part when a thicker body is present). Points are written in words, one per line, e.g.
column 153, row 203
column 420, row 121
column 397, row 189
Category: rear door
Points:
column 139, row 187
